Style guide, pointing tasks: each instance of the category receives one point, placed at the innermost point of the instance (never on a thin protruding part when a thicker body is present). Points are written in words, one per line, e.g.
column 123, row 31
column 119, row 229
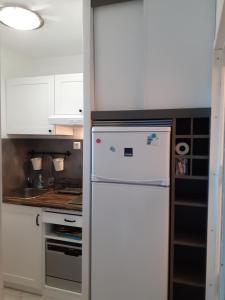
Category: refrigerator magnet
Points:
column 153, row 139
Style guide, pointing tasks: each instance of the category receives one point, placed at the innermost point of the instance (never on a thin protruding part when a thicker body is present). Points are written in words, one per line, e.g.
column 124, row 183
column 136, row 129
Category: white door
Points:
column 22, row 247
column 69, row 94
column 131, row 154
column 130, row 240
column 29, row 103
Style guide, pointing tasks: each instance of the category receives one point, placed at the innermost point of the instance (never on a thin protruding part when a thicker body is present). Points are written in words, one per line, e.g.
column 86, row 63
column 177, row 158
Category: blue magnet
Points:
column 151, row 138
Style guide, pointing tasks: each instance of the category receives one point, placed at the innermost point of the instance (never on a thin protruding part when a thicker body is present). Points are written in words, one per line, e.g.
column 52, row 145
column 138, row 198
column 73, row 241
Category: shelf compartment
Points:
column 182, row 166
column 191, row 177
column 192, row 156
column 64, row 233
column 184, row 140
column 196, row 136
column 191, row 203
column 200, row 167
column 190, row 266
column 188, row 276
column 183, row 126
column 191, row 191
column 191, row 222
column 183, row 292
column 60, row 238
column 201, row 125
column 200, row 146
column 191, row 240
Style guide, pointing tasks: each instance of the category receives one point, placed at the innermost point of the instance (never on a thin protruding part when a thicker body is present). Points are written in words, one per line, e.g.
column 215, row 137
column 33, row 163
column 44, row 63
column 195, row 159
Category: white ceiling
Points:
column 61, row 34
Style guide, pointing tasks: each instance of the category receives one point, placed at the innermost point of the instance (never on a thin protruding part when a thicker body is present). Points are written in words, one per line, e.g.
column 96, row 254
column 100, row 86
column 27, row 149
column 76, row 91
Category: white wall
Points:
column 118, row 34
column 56, row 65
column 219, row 10
column 18, row 65
column 14, row 64
column 153, row 54
column 179, row 57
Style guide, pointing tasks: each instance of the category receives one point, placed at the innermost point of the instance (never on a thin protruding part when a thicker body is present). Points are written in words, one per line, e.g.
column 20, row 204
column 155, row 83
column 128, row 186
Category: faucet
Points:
column 29, row 181
column 40, row 182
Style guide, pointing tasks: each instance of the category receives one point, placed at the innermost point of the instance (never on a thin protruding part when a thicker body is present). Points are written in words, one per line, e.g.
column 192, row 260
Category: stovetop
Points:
column 70, row 190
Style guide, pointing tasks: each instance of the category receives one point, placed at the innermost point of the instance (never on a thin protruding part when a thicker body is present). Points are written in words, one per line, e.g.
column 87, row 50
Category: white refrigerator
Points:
column 130, row 213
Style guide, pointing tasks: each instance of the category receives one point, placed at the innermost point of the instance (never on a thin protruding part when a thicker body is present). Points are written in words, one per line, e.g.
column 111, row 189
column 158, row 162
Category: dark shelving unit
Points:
column 189, row 207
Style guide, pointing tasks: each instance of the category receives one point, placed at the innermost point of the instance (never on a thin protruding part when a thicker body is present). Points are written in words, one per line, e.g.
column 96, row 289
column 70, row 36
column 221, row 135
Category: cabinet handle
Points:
column 49, row 130
column 69, row 221
column 80, row 110
column 37, row 220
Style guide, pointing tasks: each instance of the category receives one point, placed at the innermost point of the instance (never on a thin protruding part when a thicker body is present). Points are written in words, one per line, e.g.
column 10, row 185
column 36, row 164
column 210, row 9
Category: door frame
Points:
column 214, row 278
column 222, row 229
column 88, row 73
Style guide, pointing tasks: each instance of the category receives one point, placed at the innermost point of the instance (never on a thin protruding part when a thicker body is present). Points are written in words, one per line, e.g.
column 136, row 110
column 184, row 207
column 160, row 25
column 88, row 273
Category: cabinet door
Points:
column 29, row 102
column 22, row 247
column 69, row 94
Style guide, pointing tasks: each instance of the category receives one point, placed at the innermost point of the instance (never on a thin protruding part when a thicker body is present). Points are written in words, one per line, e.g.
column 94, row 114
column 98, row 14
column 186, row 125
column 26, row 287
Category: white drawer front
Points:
column 62, row 219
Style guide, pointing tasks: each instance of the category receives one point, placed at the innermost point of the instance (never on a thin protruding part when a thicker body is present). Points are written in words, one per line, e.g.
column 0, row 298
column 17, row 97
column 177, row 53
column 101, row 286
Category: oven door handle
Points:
column 73, row 252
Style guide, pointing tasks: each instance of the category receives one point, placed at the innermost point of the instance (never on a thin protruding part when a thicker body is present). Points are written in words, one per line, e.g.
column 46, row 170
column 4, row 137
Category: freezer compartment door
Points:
column 130, row 241
column 131, row 156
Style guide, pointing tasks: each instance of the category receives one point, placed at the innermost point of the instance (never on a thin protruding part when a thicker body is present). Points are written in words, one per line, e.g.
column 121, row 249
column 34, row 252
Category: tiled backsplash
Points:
column 17, row 166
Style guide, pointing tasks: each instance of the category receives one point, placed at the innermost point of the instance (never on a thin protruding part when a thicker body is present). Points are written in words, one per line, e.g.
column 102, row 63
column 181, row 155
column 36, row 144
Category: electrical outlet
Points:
column 76, row 145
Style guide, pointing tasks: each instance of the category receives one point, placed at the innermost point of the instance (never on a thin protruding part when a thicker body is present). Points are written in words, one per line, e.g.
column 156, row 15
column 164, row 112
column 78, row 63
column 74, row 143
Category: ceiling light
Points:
column 20, row 18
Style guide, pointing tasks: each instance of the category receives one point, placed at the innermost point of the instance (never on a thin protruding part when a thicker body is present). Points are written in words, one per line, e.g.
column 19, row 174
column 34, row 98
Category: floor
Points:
column 10, row 294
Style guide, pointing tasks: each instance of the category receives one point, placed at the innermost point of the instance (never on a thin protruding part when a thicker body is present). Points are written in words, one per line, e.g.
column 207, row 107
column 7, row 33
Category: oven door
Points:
column 63, row 260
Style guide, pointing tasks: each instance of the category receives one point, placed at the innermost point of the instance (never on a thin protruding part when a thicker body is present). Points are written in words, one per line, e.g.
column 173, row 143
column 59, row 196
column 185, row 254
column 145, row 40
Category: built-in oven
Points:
column 63, row 264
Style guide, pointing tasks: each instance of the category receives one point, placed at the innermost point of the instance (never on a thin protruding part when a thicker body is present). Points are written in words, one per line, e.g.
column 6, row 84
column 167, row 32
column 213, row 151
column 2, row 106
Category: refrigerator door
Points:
column 130, row 241
column 139, row 155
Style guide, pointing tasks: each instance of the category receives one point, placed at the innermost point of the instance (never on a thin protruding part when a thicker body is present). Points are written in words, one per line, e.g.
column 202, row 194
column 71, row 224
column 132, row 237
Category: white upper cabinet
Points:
column 69, row 94
column 29, row 102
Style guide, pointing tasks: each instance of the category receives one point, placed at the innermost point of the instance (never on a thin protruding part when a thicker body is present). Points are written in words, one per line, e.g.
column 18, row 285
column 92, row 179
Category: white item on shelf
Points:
column 36, row 163
column 182, row 148
column 58, row 164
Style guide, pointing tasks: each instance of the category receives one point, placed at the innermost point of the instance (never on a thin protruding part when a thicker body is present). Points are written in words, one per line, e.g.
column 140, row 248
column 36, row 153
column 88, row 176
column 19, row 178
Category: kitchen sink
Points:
column 29, row 193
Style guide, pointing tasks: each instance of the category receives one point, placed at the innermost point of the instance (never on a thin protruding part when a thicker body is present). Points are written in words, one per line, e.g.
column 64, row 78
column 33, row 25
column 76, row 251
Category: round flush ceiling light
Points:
column 20, row 18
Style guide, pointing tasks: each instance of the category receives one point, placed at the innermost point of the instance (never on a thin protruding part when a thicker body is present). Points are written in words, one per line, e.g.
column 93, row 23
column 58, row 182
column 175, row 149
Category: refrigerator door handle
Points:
column 155, row 182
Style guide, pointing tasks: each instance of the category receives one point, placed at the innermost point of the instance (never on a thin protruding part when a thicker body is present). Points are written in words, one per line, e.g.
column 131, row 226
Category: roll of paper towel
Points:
column 182, row 148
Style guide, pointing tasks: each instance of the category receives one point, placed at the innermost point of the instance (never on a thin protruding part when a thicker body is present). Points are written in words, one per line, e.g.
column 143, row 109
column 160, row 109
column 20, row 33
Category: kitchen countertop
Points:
column 50, row 199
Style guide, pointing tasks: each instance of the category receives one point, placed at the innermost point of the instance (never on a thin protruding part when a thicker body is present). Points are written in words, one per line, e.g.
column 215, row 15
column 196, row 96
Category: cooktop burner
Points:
column 70, row 190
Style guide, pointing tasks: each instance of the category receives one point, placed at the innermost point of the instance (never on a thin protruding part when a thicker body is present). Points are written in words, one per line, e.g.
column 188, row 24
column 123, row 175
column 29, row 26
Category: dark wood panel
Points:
column 124, row 115
column 96, row 3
